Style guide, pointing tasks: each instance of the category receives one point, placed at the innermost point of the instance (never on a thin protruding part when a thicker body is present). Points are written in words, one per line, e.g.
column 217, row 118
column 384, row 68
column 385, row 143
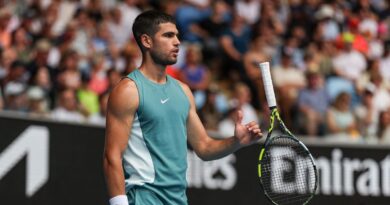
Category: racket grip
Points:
column 267, row 81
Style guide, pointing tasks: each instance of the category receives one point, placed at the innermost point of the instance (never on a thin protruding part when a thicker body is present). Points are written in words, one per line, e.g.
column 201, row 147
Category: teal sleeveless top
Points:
column 155, row 159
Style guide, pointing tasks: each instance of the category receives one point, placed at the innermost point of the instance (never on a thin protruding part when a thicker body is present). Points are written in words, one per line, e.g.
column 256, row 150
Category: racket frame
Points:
column 288, row 134
column 270, row 95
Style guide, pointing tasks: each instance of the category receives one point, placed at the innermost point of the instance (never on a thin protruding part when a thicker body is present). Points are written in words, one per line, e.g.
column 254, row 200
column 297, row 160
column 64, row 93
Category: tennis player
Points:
column 150, row 117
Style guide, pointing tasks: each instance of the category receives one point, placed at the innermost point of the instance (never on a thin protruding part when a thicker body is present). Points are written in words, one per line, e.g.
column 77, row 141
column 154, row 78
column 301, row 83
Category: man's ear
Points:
column 146, row 41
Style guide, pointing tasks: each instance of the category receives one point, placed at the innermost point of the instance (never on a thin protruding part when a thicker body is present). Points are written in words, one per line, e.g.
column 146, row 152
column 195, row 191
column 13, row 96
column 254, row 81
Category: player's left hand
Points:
column 246, row 134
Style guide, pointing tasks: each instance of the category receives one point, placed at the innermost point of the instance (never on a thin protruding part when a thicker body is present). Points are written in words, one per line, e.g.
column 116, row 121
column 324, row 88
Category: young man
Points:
column 149, row 119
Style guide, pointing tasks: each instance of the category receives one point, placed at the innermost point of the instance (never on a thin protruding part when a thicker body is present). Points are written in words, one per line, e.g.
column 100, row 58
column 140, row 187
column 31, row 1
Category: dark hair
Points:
column 148, row 23
column 17, row 64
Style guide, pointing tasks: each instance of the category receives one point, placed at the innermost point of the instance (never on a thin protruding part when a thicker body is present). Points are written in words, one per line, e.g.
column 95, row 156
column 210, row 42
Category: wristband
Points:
column 119, row 200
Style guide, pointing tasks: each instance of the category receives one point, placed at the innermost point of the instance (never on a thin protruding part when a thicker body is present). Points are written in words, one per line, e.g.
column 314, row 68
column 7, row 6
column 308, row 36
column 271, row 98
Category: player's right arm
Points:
column 122, row 105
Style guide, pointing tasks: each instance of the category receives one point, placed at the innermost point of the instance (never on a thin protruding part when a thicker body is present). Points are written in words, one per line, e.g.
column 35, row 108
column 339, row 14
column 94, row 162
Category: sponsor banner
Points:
column 346, row 175
column 52, row 163
column 44, row 163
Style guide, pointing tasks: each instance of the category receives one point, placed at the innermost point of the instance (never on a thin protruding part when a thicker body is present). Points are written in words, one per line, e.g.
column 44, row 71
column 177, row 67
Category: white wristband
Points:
column 119, row 200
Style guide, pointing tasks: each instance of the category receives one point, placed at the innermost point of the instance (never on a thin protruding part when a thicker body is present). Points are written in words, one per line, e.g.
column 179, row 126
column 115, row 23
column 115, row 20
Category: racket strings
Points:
column 288, row 173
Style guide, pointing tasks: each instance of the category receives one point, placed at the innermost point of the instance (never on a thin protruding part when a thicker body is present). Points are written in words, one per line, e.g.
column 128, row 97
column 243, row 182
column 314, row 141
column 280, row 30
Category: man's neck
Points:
column 154, row 72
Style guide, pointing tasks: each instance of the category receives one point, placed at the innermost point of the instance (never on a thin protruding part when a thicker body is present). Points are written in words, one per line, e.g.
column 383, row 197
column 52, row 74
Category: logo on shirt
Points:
column 164, row 101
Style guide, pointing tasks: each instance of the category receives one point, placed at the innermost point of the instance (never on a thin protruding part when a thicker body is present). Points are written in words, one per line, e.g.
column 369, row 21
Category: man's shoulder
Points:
column 125, row 83
column 123, row 98
column 125, row 88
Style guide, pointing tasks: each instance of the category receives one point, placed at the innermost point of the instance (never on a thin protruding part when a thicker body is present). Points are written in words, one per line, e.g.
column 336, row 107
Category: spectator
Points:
column 113, row 77
column 384, row 127
column 17, row 73
column 313, row 102
column 188, row 14
column 273, row 16
column 168, row 6
column 129, row 11
column 194, row 73
column 242, row 98
column 366, row 116
column 381, row 94
column 365, row 77
column 235, row 41
column 340, row 119
column 5, row 32
column 50, row 16
column 87, row 97
column 98, row 82
column 210, row 29
column 99, row 118
column 349, row 63
column 250, row 10
column 84, row 30
column 326, row 52
column 21, row 43
column 45, row 55
column 67, row 109
column 103, row 40
column 37, row 103
column 64, row 14
column 15, row 97
column 69, row 76
column 118, row 30
column 42, row 79
column 270, row 41
column 327, row 25
column 226, row 125
column 356, row 39
column 96, row 9
column 209, row 112
column 251, row 59
column 288, row 80
column 369, row 28
column 291, row 48
column 131, row 56
column 120, row 59
column 384, row 64
column 8, row 56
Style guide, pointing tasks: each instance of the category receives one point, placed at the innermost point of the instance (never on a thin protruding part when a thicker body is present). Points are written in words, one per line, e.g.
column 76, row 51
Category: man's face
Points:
column 68, row 100
column 165, row 45
column 314, row 80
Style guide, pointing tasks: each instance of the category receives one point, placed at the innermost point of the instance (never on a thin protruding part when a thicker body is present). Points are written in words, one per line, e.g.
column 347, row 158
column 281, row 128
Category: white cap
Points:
column 35, row 93
column 14, row 88
column 370, row 87
column 325, row 11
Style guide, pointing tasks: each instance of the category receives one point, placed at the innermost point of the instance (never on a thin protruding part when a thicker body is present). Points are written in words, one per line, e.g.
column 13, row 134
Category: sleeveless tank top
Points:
column 156, row 155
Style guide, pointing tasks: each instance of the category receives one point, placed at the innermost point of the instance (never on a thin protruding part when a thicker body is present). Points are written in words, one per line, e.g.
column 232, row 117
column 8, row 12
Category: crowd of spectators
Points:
column 330, row 60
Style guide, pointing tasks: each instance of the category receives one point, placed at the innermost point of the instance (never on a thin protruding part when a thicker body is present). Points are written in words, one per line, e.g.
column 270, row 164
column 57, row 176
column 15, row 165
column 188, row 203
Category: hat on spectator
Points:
column 325, row 11
column 14, row 88
column 348, row 37
column 35, row 93
column 370, row 88
column 43, row 45
column 353, row 23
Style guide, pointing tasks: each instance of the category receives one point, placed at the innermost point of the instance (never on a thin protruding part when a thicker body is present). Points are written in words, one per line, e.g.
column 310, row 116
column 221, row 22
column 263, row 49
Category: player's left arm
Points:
column 208, row 148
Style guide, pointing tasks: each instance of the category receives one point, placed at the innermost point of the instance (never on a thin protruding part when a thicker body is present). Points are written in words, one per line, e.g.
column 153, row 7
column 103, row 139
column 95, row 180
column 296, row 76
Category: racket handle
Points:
column 267, row 81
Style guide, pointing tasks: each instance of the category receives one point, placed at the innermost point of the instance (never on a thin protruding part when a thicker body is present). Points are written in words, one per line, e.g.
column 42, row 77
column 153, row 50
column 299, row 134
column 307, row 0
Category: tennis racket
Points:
column 286, row 168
